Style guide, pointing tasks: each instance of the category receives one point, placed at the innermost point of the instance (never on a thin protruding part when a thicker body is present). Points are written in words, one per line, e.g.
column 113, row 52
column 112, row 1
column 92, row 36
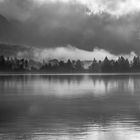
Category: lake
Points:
column 70, row 107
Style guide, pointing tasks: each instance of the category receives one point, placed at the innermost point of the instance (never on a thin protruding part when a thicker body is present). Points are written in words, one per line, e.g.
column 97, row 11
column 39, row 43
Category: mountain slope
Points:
column 4, row 28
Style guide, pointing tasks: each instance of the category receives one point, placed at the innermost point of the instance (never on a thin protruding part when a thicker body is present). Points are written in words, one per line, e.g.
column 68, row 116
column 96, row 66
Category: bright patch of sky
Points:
column 113, row 7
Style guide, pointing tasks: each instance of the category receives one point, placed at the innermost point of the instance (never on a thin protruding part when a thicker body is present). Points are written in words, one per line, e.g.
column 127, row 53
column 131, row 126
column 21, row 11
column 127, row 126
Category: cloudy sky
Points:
column 90, row 27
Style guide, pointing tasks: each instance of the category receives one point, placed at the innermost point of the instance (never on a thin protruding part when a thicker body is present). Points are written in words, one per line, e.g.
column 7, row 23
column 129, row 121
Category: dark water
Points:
column 70, row 107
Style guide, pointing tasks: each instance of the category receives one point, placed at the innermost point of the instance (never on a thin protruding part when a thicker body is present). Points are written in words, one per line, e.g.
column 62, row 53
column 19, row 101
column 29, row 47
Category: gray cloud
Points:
column 51, row 24
column 16, row 9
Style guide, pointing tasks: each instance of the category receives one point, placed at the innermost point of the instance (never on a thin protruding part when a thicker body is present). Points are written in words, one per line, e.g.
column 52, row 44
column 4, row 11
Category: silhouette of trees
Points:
column 2, row 63
column 78, row 66
column 95, row 66
column 69, row 66
column 136, row 64
column 123, row 65
column 106, row 65
column 9, row 64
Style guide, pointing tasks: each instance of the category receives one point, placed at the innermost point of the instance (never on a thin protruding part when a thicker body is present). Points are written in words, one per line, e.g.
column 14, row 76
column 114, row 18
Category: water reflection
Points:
column 70, row 107
column 68, row 85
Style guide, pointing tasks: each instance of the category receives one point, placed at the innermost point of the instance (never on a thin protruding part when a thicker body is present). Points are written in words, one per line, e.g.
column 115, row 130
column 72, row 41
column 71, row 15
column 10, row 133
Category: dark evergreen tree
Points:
column 78, row 66
column 123, row 64
column 94, row 67
column 2, row 63
column 136, row 64
column 106, row 65
column 69, row 66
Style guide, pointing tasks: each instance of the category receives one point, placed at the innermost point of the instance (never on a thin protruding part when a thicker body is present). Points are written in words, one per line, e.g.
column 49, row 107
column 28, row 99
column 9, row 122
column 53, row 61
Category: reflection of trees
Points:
column 116, row 83
column 63, row 78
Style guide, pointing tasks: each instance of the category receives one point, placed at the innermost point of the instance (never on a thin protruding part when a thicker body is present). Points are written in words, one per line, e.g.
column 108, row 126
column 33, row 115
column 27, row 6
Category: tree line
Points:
column 10, row 64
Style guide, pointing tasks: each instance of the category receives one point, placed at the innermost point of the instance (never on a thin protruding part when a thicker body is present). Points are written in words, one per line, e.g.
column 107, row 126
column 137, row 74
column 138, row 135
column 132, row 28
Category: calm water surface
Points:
column 66, row 107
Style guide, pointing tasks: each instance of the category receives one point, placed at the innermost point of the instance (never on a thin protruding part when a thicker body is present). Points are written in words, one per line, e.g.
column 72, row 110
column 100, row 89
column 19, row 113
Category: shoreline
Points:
column 67, row 74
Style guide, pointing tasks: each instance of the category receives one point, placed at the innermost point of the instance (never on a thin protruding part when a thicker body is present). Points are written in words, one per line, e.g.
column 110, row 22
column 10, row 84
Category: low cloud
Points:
column 73, row 53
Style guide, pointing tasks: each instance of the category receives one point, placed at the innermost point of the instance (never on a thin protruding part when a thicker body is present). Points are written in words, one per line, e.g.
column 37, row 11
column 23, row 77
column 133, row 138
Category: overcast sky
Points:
column 109, row 25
